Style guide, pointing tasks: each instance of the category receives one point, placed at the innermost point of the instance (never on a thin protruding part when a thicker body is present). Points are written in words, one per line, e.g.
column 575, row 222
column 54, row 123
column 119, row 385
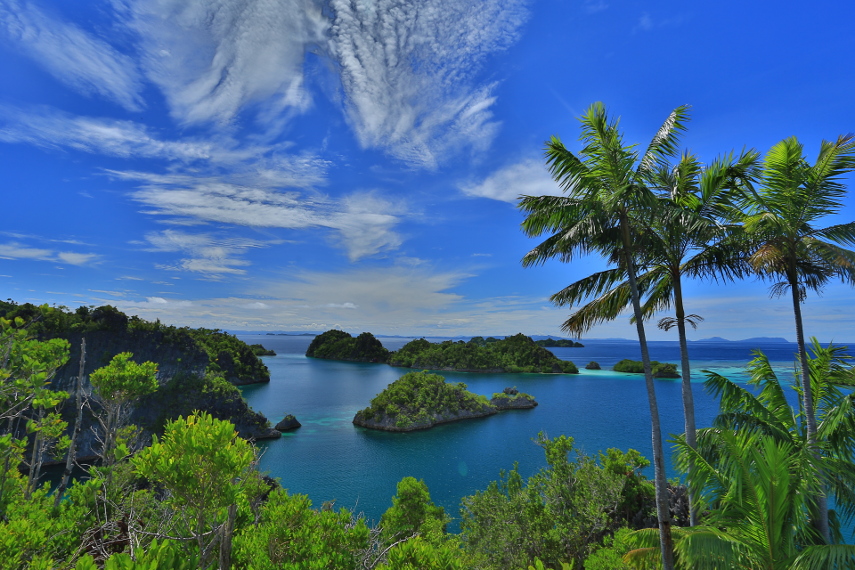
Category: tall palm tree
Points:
column 606, row 194
column 781, row 216
column 757, row 475
column 688, row 235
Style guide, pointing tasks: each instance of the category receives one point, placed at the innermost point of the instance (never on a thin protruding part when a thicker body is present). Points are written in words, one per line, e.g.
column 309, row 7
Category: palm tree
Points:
column 768, row 412
column 780, row 217
column 757, row 487
column 686, row 236
column 757, row 475
column 606, row 195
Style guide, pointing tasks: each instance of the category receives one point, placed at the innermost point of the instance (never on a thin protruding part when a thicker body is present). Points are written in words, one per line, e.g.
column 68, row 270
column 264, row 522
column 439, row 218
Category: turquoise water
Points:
column 331, row 459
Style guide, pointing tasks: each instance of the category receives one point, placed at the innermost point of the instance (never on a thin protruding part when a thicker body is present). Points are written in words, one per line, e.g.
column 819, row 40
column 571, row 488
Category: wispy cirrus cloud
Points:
column 72, row 55
column 365, row 221
column 213, row 59
column 408, row 72
column 17, row 250
column 51, row 128
column 528, row 177
column 207, row 254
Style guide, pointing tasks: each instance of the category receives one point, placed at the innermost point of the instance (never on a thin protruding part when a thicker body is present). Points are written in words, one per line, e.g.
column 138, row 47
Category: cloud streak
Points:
column 408, row 71
column 75, row 57
column 16, row 250
column 211, row 59
column 365, row 221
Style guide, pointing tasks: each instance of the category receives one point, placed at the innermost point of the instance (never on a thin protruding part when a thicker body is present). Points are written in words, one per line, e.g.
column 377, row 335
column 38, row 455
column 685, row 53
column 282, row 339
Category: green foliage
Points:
column 230, row 357
column 259, row 350
column 516, row 353
column 157, row 556
column 417, row 399
column 123, row 379
column 660, row 369
column 412, row 512
column 611, row 555
column 26, row 367
column 290, row 535
column 339, row 345
column 557, row 515
column 199, row 460
column 421, row 554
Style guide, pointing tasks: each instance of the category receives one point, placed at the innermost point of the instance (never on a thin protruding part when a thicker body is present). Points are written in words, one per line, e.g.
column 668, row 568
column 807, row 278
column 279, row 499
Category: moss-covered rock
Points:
column 288, row 423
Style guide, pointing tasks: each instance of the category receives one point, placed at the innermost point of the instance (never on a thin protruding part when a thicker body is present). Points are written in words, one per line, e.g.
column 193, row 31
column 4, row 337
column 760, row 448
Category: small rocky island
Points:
column 420, row 400
column 339, row 345
column 660, row 369
column 517, row 353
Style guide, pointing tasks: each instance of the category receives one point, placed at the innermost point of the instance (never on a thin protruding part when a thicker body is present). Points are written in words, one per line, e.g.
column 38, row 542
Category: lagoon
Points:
column 330, row 459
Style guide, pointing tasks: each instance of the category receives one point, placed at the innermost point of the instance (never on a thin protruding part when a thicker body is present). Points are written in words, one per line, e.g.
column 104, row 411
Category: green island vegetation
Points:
column 660, row 369
column 339, row 345
column 558, row 343
column 517, row 353
column 420, row 400
column 198, row 369
column 259, row 350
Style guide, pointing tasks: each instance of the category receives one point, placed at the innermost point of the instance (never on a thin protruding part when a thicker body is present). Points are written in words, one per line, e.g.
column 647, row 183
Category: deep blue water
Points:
column 331, row 459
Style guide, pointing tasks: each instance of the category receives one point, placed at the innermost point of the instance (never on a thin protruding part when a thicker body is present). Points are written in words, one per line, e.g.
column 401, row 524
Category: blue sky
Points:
column 298, row 165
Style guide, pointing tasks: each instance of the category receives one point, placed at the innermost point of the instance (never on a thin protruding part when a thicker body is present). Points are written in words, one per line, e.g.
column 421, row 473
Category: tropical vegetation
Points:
column 517, row 353
column 419, row 400
column 659, row 369
column 336, row 344
column 609, row 191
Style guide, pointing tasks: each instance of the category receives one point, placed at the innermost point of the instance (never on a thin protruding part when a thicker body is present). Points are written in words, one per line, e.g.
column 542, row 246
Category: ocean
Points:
column 331, row 460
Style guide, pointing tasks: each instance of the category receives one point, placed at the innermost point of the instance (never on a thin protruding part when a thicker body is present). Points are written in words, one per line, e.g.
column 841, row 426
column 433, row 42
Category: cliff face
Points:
column 184, row 385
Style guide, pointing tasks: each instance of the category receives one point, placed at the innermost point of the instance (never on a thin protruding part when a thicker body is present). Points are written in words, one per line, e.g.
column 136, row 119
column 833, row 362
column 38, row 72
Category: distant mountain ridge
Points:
column 762, row 339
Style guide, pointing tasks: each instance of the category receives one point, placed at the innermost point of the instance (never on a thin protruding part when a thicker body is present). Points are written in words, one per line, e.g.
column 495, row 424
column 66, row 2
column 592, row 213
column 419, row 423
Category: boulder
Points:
column 288, row 423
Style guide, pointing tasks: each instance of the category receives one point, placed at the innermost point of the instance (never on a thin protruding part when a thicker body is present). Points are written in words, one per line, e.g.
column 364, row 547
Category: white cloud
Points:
column 82, row 61
column 51, row 128
column 408, row 72
column 15, row 250
column 364, row 220
column 526, row 178
column 365, row 225
column 213, row 58
column 208, row 255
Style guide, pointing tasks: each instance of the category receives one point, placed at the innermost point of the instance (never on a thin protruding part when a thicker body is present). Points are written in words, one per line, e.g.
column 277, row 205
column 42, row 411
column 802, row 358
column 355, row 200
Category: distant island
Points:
column 559, row 343
column 420, row 400
column 756, row 339
column 660, row 369
column 517, row 353
column 339, row 345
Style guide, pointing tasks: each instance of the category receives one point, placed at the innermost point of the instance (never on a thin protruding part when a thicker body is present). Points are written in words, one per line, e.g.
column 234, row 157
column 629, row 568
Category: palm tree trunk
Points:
column 820, row 503
column 666, row 543
column 688, row 398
